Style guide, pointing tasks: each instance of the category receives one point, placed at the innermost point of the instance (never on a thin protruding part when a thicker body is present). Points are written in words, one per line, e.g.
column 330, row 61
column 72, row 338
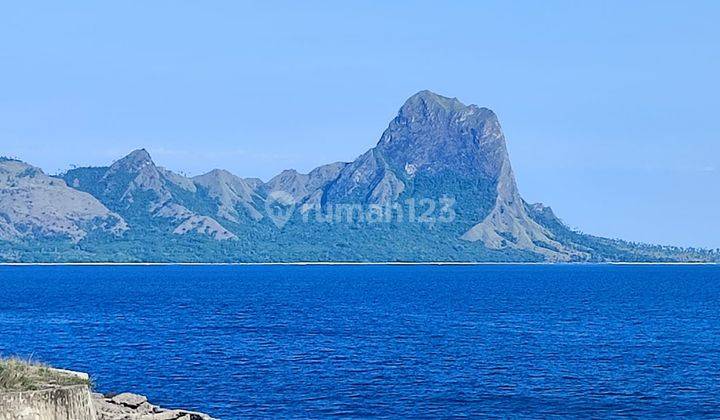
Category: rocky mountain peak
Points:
column 286, row 173
column 426, row 107
column 220, row 174
column 426, row 102
column 135, row 172
column 233, row 195
column 134, row 161
column 302, row 186
column 436, row 133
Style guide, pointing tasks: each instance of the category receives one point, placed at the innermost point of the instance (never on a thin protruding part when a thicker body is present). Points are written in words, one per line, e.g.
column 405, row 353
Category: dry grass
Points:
column 27, row 375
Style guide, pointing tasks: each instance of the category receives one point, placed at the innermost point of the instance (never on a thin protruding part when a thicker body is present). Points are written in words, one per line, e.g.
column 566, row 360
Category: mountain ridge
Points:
column 435, row 149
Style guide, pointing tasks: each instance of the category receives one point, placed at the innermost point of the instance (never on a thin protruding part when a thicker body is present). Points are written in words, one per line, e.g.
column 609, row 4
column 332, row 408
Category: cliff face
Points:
column 128, row 406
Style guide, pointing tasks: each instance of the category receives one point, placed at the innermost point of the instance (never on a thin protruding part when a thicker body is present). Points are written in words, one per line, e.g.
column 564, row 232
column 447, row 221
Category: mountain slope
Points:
column 234, row 196
column 147, row 195
column 34, row 205
column 306, row 189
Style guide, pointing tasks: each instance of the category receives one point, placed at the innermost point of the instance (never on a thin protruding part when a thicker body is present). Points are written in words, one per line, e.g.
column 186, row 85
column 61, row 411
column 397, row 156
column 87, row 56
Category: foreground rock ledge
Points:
column 60, row 401
column 127, row 406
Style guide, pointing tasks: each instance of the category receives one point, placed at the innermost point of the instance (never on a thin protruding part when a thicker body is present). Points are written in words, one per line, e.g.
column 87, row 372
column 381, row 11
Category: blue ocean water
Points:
column 386, row 341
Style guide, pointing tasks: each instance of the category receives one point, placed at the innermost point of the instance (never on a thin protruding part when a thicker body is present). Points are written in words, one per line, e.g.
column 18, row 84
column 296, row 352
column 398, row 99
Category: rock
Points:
column 129, row 400
column 193, row 416
column 175, row 415
column 128, row 406
column 107, row 410
column 145, row 408
column 80, row 375
column 164, row 415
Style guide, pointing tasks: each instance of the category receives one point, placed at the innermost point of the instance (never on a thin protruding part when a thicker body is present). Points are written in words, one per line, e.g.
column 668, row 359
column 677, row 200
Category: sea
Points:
column 387, row 341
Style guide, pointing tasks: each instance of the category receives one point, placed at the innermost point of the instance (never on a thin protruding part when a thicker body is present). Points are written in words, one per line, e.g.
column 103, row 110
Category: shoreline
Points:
column 348, row 263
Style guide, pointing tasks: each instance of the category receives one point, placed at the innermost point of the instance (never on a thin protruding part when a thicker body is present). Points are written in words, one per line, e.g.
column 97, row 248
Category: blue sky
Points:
column 609, row 108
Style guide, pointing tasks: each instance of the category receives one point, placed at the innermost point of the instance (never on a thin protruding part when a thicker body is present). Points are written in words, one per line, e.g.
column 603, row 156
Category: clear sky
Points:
column 610, row 108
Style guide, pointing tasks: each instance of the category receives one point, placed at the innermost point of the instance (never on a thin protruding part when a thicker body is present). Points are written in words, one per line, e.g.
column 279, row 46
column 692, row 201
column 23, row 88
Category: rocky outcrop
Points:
column 128, row 406
column 58, row 394
column 76, row 402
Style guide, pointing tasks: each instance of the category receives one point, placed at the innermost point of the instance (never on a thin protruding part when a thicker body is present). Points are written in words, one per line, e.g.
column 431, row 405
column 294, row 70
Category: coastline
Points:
column 350, row 263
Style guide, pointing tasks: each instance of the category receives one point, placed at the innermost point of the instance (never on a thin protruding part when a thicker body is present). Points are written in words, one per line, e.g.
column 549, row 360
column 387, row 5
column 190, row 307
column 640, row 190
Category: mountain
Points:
column 234, row 196
column 146, row 195
column 306, row 189
column 438, row 186
column 34, row 205
column 434, row 139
